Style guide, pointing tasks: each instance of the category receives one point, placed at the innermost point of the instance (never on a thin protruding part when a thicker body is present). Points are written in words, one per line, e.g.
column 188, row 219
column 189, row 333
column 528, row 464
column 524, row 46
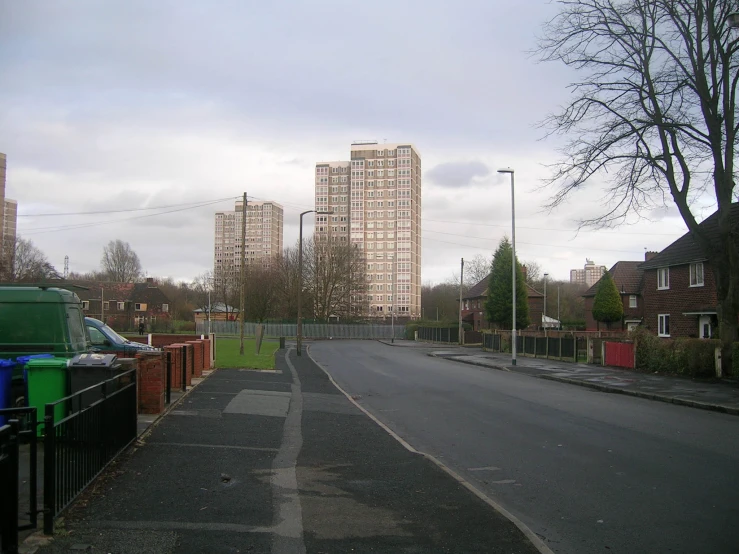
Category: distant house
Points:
column 218, row 312
column 122, row 305
column 679, row 289
column 473, row 306
column 628, row 278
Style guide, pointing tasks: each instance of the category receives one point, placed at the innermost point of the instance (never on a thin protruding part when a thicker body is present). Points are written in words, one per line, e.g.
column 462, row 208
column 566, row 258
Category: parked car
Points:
column 105, row 338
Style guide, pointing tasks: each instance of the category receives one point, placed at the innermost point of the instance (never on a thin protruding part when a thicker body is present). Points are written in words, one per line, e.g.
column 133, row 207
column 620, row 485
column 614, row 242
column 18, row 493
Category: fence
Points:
column 559, row 347
column 9, row 487
column 78, row 446
column 439, row 334
column 310, row 330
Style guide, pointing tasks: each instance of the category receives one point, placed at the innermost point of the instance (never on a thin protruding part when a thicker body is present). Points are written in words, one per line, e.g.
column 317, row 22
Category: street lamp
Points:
column 513, row 265
column 300, row 279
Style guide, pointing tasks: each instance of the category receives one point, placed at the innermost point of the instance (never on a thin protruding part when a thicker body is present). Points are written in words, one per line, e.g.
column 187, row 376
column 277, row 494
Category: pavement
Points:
column 707, row 394
column 281, row 462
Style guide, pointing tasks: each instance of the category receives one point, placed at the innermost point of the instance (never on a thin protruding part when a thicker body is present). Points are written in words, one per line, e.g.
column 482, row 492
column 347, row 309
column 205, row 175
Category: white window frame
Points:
column 165, row 308
column 120, row 306
column 663, row 325
column 633, row 301
column 85, row 304
column 137, row 306
column 694, row 275
column 663, row 278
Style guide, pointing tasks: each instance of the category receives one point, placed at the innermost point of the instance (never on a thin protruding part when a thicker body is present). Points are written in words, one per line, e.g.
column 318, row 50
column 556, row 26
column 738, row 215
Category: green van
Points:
column 40, row 319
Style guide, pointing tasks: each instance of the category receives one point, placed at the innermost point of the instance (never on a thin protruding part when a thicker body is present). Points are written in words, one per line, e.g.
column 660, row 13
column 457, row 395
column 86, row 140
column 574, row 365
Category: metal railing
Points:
column 439, row 334
column 310, row 330
column 9, row 453
column 80, row 441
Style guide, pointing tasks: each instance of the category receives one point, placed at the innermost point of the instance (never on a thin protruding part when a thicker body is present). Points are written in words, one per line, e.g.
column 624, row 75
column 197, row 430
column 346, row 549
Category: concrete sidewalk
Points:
column 720, row 396
column 282, row 462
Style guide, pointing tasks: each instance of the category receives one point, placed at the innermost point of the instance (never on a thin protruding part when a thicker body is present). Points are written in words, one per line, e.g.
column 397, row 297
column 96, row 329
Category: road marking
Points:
column 528, row 533
column 487, row 468
column 226, row 446
column 504, row 482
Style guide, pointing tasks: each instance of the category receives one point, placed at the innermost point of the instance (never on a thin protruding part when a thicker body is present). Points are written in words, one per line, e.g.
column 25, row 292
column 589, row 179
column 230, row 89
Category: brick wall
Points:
column 151, row 380
column 678, row 299
column 197, row 349
column 206, row 350
column 160, row 340
column 188, row 355
column 176, row 353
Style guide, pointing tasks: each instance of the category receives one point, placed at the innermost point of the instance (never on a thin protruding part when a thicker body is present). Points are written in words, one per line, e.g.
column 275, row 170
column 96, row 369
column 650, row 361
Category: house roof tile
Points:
column 627, row 276
column 480, row 290
column 686, row 250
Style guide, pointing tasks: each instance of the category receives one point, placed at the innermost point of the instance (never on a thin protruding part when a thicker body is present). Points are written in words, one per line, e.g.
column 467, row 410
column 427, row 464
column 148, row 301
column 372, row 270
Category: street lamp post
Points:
column 544, row 311
column 513, row 264
column 300, row 280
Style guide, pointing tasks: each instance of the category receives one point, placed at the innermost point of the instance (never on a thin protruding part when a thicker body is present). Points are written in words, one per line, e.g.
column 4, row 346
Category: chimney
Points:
column 649, row 255
column 150, row 282
column 525, row 272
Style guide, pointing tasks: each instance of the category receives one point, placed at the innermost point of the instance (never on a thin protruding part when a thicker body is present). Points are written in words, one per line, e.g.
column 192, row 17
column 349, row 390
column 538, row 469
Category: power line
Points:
column 520, row 242
column 40, row 230
column 540, row 228
column 60, row 214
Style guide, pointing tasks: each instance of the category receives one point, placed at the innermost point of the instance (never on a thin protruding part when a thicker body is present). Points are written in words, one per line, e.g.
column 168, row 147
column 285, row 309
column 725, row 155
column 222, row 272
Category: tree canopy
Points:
column 120, row 263
column 607, row 305
column 499, row 305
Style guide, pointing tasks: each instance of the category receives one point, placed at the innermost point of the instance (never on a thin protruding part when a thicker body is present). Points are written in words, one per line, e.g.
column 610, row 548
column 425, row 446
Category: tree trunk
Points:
column 728, row 304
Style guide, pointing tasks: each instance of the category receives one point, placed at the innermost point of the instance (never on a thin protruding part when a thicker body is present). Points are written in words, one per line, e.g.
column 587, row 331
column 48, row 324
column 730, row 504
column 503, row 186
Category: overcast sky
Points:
column 169, row 104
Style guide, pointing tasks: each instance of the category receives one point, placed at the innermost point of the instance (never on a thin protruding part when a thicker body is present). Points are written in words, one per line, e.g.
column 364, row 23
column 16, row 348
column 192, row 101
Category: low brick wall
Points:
column 187, row 368
column 161, row 340
column 176, row 361
column 206, row 354
column 197, row 350
column 151, row 377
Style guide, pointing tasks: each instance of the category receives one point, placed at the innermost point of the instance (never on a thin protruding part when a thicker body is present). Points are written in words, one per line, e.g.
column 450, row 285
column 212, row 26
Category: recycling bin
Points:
column 6, row 387
column 88, row 370
column 47, row 382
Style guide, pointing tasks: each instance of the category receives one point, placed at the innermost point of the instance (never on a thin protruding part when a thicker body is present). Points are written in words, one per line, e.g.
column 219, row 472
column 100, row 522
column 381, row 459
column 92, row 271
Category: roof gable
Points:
column 480, row 290
column 686, row 250
column 627, row 275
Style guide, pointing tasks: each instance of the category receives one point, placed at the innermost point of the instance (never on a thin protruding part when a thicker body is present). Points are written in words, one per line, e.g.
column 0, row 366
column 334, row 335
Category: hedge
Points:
column 683, row 356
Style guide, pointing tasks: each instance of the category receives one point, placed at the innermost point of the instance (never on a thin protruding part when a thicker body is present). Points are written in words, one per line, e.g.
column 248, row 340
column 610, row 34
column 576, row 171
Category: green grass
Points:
column 227, row 354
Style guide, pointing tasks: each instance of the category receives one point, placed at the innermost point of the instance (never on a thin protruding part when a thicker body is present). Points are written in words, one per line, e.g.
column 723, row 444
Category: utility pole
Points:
column 559, row 321
column 243, row 273
column 392, row 306
column 461, row 285
column 102, row 304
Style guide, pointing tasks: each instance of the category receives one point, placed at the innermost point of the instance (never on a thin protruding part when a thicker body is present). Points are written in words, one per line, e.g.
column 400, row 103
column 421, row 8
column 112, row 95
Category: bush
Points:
column 410, row 330
column 689, row 357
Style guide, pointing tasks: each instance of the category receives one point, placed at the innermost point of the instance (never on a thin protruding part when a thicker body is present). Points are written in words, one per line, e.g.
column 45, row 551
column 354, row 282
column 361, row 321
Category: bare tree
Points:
column 120, row 263
column 22, row 261
column 287, row 265
column 262, row 294
column 335, row 275
column 533, row 271
column 476, row 269
column 654, row 115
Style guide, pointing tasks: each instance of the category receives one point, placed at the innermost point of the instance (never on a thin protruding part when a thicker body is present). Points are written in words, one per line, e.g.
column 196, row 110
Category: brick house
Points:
column 679, row 289
column 628, row 277
column 473, row 306
column 123, row 305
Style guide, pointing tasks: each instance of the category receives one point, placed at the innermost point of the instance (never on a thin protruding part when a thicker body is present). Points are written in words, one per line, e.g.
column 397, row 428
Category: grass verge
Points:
column 227, row 354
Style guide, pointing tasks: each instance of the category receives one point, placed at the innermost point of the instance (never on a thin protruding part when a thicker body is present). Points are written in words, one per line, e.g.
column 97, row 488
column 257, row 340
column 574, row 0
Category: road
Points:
column 586, row 471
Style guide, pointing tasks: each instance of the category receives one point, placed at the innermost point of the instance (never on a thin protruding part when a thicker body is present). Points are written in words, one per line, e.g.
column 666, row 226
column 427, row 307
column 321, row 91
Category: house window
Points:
column 140, row 307
column 663, row 325
column 663, row 278
column 122, row 305
column 85, row 304
column 165, row 307
column 696, row 274
column 632, row 301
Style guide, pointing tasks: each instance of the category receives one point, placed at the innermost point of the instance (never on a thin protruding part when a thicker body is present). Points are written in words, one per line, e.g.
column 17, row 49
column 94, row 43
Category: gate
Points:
column 620, row 354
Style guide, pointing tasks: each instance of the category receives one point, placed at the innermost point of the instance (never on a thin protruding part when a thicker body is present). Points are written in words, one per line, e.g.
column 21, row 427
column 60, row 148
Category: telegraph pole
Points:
column 243, row 273
column 461, row 285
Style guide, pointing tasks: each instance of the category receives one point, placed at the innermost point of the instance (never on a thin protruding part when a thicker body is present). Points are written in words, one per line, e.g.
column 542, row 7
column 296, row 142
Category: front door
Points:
column 705, row 329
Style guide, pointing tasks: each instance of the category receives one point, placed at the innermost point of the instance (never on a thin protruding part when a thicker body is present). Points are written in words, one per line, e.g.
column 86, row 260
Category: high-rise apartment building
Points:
column 588, row 275
column 264, row 223
column 8, row 217
column 376, row 203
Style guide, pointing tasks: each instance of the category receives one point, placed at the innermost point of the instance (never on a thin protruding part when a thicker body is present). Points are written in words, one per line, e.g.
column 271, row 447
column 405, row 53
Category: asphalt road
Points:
column 587, row 471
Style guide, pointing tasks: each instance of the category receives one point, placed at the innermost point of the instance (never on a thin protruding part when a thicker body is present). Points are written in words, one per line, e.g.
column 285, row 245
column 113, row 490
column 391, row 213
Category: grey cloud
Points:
column 457, row 174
